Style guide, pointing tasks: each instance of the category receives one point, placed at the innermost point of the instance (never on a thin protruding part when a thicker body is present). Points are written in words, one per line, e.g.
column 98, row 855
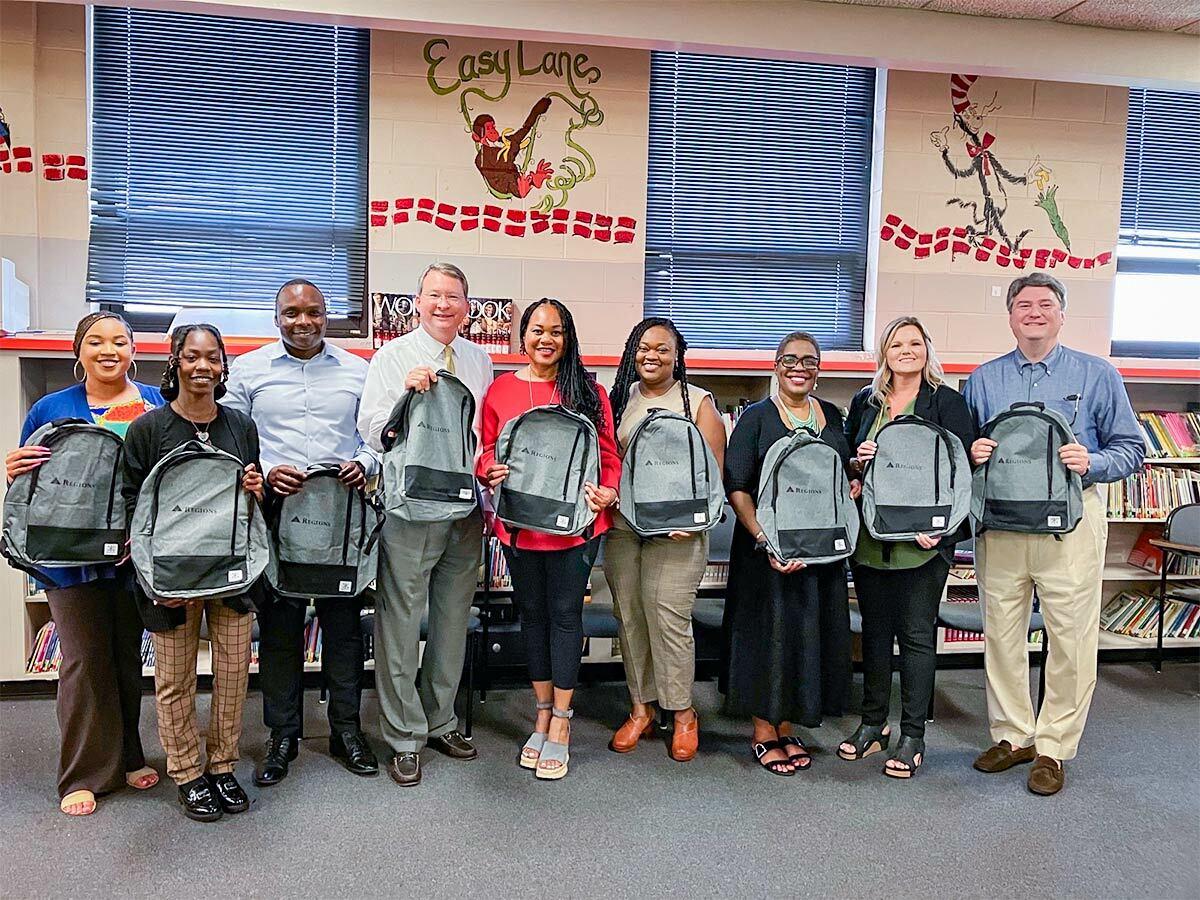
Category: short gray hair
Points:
column 449, row 269
column 1036, row 279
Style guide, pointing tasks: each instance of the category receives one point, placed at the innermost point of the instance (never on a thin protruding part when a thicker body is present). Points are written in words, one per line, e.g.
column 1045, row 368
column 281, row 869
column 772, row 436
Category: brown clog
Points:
column 628, row 734
column 686, row 740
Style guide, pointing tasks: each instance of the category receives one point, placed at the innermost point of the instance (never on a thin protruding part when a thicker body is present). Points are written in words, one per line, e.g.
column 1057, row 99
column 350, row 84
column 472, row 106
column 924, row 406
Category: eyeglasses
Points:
column 790, row 361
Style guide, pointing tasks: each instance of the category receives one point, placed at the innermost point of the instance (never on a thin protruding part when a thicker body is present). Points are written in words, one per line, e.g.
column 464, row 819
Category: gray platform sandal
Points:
column 552, row 751
column 535, row 743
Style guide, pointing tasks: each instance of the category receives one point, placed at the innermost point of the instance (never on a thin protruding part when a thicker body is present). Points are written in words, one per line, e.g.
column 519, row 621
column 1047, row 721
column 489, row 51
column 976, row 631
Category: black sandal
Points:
column 906, row 752
column 762, row 748
column 801, row 760
column 866, row 740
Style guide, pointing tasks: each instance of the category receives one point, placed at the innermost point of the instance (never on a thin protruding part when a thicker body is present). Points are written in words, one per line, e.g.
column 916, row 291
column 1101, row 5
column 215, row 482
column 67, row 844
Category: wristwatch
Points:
column 760, row 541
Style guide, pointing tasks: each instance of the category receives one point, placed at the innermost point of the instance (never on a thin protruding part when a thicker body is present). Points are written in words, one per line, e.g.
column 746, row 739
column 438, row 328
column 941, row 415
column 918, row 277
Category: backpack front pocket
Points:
column 910, row 519
column 671, row 515
column 541, row 513
column 813, row 543
column 424, row 483
column 191, row 572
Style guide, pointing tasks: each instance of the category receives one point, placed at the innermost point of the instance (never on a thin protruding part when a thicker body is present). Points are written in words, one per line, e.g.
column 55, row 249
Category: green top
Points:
column 905, row 554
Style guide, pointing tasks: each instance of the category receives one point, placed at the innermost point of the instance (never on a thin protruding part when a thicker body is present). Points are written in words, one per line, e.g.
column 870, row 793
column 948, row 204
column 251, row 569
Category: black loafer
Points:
column 352, row 751
column 229, row 793
column 454, row 745
column 274, row 767
column 198, row 800
column 405, row 769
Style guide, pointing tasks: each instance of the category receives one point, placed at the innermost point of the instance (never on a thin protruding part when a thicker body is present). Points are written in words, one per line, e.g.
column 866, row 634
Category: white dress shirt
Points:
column 394, row 360
column 306, row 410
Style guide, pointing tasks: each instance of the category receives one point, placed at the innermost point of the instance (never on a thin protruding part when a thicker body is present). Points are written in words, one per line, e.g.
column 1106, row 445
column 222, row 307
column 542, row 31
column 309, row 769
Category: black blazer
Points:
column 942, row 406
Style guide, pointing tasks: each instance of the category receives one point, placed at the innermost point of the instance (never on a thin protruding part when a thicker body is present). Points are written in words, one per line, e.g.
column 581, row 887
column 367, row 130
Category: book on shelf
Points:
column 1134, row 613
column 312, row 640
column 1171, row 435
column 1152, row 492
column 716, row 574
column 46, row 654
column 965, row 594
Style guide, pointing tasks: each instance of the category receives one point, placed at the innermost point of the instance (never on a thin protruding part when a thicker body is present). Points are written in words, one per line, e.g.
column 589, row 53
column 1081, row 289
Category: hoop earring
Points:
column 133, row 365
column 75, row 371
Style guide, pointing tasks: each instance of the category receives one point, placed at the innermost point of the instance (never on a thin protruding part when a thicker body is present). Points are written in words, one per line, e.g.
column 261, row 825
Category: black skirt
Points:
column 787, row 639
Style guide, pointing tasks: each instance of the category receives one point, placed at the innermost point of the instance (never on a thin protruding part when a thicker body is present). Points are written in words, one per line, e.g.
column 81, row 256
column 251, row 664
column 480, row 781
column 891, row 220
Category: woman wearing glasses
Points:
column 787, row 626
column 899, row 585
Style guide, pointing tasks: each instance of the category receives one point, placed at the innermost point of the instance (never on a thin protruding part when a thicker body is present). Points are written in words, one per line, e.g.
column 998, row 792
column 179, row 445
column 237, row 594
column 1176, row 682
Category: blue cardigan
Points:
column 71, row 403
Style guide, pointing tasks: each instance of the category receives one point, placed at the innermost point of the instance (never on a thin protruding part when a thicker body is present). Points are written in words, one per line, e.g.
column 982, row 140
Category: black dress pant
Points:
column 548, row 586
column 281, row 662
column 899, row 605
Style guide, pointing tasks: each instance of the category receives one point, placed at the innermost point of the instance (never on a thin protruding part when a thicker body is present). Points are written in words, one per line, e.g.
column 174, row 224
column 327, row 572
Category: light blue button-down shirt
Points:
column 306, row 410
column 1085, row 389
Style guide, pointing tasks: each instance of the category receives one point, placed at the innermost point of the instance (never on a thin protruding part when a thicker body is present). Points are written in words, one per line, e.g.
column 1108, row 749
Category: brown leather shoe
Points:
column 627, row 735
column 405, row 769
column 1046, row 776
column 686, row 739
column 1003, row 757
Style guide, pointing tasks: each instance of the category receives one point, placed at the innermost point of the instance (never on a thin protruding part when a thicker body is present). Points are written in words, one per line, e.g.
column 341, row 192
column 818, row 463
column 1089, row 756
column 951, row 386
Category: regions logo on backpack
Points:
column 196, row 534
column 662, row 488
column 1024, row 486
column 804, row 505
column 550, row 452
column 918, row 483
column 429, row 453
column 68, row 511
column 324, row 539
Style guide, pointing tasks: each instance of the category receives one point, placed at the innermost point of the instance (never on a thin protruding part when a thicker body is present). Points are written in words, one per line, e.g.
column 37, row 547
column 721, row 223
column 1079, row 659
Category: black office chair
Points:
column 709, row 611
column 1181, row 538
column 968, row 616
column 599, row 620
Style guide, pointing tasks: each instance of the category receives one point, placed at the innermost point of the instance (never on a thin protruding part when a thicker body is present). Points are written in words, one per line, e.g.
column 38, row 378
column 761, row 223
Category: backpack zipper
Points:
column 937, row 459
column 692, row 460
column 571, row 459
column 465, row 429
column 237, row 496
column 346, row 532
column 1049, row 463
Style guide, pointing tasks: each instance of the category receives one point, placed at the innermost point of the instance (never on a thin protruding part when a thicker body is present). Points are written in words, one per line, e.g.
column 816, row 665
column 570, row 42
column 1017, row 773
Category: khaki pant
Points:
column 175, row 689
column 654, row 585
column 1067, row 575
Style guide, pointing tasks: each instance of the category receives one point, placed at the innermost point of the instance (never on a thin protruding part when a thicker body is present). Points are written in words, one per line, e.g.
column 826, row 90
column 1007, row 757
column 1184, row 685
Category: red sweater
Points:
column 506, row 399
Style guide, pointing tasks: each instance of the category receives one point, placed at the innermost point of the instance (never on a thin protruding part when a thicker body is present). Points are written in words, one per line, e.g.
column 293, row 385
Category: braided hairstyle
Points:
column 170, row 379
column 627, row 370
column 576, row 388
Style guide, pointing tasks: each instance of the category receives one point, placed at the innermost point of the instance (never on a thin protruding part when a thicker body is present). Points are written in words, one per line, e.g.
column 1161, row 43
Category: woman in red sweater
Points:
column 550, row 573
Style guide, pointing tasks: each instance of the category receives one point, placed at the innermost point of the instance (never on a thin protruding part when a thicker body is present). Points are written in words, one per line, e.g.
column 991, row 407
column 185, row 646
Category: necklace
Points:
column 809, row 421
column 201, row 435
column 529, row 384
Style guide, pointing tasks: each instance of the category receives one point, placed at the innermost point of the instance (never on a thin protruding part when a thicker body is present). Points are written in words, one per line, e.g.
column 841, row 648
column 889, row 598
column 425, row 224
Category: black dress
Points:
column 787, row 637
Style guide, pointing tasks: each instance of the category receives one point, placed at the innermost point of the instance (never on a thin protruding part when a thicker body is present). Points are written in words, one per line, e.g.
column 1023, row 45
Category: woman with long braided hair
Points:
column 550, row 573
column 654, row 580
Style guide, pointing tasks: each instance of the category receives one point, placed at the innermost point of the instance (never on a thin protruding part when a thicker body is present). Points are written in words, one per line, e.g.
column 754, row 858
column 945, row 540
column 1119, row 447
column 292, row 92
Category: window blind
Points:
column 1160, row 198
column 757, row 204
column 228, row 155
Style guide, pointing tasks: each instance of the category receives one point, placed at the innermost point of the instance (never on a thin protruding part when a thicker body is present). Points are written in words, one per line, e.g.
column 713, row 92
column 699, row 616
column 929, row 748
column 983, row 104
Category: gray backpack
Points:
column 918, row 483
column 68, row 511
column 324, row 539
column 550, row 452
column 804, row 505
column 662, row 488
column 195, row 533
column 429, row 453
column 1024, row 486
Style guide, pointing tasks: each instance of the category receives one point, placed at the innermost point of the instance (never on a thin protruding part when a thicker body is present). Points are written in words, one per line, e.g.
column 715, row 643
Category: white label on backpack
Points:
column 345, row 587
column 700, row 518
column 939, row 522
column 839, row 544
column 1054, row 521
column 235, row 575
column 111, row 549
column 562, row 521
column 464, row 494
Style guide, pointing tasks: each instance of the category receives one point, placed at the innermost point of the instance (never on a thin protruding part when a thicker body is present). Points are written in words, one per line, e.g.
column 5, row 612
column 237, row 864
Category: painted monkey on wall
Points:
column 498, row 154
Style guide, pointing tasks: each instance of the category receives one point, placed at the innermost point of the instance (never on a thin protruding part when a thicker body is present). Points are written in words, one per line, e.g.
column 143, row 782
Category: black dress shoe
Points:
column 229, row 793
column 199, row 801
column 352, row 751
column 453, row 744
column 274, row 767
column 405, row 769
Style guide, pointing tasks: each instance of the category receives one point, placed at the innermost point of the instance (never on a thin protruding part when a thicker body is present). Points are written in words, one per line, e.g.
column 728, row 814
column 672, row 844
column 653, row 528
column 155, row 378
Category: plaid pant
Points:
column 175, row 689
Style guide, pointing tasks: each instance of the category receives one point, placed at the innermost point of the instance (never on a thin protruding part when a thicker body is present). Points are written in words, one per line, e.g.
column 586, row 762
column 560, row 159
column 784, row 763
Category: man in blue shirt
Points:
column 303, row 394
column 1066, row 570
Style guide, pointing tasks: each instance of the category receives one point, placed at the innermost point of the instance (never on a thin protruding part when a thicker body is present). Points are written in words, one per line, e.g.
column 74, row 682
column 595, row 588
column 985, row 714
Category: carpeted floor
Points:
column 1127, row 824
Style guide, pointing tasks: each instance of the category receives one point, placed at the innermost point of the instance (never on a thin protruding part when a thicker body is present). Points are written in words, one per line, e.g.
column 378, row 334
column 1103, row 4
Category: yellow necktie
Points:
column 448, row 359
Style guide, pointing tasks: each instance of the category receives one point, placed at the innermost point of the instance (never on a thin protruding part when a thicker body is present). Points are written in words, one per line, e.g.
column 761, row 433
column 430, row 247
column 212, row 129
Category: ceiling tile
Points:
column 1161, row 15
column 1005, row 9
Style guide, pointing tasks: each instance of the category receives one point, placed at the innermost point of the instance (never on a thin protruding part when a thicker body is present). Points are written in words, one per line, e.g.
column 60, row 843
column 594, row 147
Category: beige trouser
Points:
column 175, row 689
column 654, row 589
column 1067, row 575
